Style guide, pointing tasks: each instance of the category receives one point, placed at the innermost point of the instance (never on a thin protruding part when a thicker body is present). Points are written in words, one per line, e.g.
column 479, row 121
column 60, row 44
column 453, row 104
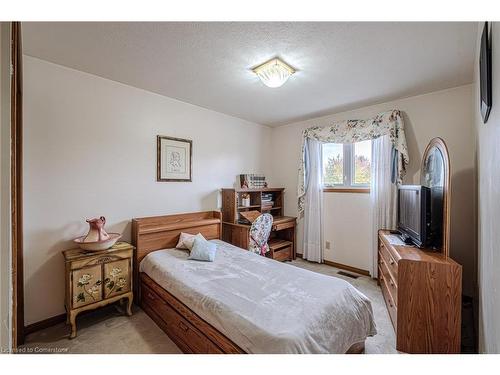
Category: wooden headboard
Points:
column 162, row 232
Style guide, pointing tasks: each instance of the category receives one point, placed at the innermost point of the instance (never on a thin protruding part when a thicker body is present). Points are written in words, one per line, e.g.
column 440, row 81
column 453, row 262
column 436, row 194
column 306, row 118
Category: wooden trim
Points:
column 42, row 324
column 53, row 320
column 256, row 190
column 180, row 225
column 158, row 159
column 16, row 130
column 347, row 268
column 342, row 266
column 347, row 190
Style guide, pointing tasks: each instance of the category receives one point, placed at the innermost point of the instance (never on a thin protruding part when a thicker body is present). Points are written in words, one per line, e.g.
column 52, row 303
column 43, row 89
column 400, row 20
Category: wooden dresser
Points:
column 97, row 278
column 422, row 290
column 282, row 238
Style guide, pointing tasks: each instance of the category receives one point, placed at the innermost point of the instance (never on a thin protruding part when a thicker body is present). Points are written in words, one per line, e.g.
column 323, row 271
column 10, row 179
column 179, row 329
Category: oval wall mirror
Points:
column 435, row 174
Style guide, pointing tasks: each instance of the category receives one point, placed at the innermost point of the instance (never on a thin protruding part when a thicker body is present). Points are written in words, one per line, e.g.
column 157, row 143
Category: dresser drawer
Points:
column 281, row 226
column 391, row 307
column 189, row 338
column 283, row 254
column 101, row 257
column 392, row 285
column 386, row 258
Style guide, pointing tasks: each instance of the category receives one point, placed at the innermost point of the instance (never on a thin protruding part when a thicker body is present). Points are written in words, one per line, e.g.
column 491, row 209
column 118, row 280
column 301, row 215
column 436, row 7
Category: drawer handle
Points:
column 391, row 282
column 183, row 326
column 381, row 262
column 391, row 261
column 150, row 295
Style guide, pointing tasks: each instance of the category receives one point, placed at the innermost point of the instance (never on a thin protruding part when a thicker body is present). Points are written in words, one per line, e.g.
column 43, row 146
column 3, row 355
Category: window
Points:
column 347, row 165
column 333, row 164
column 362, row 163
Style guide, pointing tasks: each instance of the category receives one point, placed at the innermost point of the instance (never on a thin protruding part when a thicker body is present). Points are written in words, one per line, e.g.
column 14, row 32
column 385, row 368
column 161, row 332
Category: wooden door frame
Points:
column 16, row 185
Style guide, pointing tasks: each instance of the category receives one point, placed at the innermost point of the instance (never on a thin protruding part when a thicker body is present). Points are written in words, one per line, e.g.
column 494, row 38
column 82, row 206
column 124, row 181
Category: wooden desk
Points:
column 281, row 242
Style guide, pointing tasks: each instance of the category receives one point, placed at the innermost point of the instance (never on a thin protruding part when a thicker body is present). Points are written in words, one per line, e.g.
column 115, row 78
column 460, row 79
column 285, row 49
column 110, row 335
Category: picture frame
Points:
column 485, row 75
column 173, row 159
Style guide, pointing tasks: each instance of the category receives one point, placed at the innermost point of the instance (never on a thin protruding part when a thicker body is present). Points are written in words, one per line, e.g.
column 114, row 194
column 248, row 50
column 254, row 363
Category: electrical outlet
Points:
column 327, row 245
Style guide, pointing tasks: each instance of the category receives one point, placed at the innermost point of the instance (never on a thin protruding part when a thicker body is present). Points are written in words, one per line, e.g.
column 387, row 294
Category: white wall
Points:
column 90, row 150
column 446, row 114
column 347, row 226
column 488, row 161
column 5, row 260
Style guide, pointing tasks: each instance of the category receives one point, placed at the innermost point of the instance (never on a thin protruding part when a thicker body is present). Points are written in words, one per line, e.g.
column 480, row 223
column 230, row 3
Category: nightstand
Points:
column 97, row 278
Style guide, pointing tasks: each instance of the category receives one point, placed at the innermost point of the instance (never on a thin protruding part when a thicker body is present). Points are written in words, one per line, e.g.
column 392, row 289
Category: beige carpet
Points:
column 109, row 331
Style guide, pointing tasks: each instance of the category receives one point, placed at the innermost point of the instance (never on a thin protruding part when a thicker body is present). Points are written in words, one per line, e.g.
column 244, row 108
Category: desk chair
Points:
column 259, row 234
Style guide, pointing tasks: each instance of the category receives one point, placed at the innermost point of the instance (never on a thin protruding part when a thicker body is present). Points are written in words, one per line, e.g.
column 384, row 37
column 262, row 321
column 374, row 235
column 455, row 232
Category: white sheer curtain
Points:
column 382, row 192
column 313, row 212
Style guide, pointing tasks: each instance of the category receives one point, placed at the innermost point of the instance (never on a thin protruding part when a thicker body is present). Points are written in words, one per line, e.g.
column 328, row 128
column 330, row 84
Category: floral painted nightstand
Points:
column 97, row 278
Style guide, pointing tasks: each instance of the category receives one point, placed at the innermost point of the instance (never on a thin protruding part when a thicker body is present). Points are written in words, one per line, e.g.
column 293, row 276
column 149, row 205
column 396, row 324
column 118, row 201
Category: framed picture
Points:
column 485, row 74
column 173, row 159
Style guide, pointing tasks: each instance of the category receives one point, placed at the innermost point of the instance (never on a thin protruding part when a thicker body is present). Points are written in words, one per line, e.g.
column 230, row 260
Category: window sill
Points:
column 346, row 190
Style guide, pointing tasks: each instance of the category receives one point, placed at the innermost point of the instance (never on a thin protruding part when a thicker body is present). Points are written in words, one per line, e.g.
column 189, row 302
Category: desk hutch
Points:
column 236, row 231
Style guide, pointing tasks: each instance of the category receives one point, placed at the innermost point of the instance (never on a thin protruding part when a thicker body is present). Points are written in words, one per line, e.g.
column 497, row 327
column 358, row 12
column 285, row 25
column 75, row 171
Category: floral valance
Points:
column 351, row 131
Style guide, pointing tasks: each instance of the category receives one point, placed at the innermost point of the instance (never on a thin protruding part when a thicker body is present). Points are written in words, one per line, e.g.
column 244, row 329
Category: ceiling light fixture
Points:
column 274, row 73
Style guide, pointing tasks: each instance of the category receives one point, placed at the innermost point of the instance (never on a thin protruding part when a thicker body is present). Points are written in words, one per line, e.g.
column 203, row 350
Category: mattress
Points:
column 262, row 305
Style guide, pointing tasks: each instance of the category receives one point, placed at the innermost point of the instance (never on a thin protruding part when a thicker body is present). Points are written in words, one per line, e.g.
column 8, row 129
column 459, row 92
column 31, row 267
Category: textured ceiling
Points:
column 340, row 65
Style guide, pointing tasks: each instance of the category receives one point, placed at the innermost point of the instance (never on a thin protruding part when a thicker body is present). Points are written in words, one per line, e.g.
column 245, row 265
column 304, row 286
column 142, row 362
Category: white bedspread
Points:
column 265, row 306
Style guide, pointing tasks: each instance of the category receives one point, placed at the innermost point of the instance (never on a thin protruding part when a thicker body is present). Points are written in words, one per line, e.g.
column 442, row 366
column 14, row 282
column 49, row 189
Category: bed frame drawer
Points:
column 185, row 335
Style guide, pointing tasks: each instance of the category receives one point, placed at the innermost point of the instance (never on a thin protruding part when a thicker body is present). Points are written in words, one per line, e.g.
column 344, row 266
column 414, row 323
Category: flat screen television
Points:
column 414, row 214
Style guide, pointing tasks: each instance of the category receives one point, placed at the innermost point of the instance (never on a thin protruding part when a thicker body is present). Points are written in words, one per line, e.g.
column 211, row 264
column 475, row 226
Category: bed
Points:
column 241, row 302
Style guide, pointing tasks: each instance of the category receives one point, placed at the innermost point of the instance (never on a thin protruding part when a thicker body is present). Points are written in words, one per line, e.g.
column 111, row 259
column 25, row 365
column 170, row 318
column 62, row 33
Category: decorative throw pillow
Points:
column 190, row 244
column 186, row 240
column 203, row 250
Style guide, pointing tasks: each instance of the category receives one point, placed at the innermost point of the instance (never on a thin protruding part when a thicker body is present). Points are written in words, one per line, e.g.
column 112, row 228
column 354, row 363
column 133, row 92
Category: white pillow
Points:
column 186, row 240
column 203, row 250
column 183, row 239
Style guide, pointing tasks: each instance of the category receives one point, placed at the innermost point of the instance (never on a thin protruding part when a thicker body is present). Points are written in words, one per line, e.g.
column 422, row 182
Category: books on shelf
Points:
column 267, row 201
column 253, row 181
